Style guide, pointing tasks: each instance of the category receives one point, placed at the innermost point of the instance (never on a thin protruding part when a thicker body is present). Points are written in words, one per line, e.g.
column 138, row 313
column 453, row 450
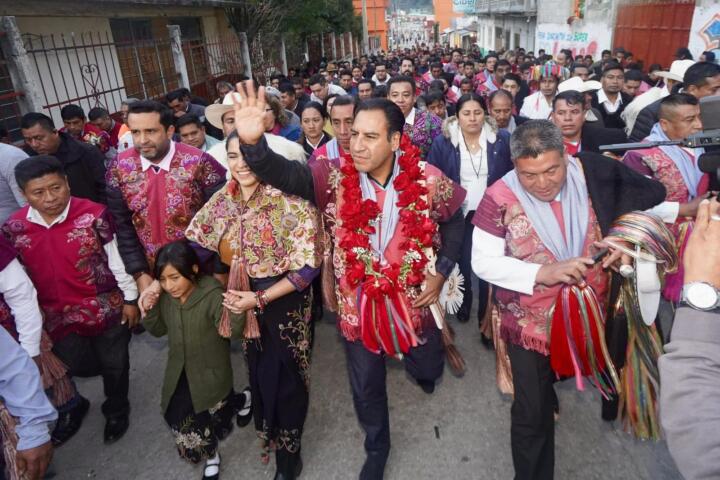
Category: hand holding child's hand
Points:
column 149, row 297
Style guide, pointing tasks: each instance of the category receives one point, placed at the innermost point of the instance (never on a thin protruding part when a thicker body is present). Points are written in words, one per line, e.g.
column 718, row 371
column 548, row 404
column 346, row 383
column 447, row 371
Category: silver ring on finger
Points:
column 715, row 217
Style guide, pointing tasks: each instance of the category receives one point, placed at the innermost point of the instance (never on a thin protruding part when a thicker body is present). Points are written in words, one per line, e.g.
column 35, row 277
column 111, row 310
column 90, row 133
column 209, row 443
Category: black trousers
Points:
column 367, row 375
column 465, row 267
column 532, row 427
column 105, row 354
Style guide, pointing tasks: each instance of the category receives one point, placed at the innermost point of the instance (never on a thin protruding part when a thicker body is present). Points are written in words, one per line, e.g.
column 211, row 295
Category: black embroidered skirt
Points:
column 197, row 434
column 279, row 364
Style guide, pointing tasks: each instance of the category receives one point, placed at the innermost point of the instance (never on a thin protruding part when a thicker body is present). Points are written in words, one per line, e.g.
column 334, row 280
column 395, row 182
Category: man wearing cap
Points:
column 587, row 88
column 222, row 116
column 610, row 99
column 699, row 80
column 539, row 104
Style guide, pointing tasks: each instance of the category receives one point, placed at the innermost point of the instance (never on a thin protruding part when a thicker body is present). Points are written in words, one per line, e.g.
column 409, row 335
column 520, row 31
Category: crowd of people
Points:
column 357, row 189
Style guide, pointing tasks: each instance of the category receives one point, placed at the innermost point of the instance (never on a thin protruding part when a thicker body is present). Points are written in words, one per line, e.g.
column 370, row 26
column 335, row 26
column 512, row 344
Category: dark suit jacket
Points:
column 593, row 136
column 84, row 166
column 644, row 122
column 612, row 120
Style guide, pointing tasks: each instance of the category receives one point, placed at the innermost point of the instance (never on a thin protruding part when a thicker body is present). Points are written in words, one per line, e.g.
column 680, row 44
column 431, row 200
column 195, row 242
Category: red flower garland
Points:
column 358, row 216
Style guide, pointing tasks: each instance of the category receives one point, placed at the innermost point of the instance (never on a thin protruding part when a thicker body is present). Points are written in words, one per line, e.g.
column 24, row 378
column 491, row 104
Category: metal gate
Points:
column 653, row 29
column 9, row 109
column 92, row 69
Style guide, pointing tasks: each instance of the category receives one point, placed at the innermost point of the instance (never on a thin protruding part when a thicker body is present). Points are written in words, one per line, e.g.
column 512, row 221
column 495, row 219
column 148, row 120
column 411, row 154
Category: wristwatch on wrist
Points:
column 701, row 296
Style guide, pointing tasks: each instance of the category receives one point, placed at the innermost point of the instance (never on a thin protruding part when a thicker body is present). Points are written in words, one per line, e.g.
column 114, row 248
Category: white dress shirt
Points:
column 163, row 164
column 474, row 182
column 115, row 263
column 610, row 107
column 490, row 263
column 535, row 106
column 20, row 295
column 410, row 119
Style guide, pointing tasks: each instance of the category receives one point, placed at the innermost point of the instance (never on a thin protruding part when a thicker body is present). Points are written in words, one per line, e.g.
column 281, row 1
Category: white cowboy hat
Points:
column 677, row 70
column 577, row 84
column 215, row 112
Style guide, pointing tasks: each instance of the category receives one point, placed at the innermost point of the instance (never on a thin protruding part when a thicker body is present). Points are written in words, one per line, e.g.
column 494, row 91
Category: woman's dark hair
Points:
column 233, row 136
column 36, row 167
column 277, row 108
column 151, row 106
column 470, row 97
column 393, row 114
column 314, row 106
column 181, row 256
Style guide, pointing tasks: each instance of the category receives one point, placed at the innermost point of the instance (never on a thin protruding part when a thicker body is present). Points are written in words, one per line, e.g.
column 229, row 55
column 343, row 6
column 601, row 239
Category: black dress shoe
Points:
column 69, row 422
column 288, row 465
column 115, row 428
column 428, row 386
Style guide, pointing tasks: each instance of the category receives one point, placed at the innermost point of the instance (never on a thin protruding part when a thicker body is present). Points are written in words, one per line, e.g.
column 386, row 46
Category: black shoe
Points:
column 609, row 410
column 288, row 465
column 115, row 428
column 69, row 422
column 486, row 341
column 463, row 315
column 428, row 386
column 244, row 410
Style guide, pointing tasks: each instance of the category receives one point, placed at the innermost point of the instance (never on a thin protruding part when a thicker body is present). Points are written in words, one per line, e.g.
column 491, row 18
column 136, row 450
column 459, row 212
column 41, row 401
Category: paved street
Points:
column 462, row 431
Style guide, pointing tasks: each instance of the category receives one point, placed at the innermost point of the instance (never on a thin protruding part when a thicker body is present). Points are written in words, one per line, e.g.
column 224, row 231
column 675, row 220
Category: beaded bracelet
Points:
column 261, row 300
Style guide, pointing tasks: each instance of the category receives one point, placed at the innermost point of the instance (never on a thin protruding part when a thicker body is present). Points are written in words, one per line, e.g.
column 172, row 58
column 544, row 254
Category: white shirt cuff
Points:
column 667, row 211
column 117, row 267
column 490, row 263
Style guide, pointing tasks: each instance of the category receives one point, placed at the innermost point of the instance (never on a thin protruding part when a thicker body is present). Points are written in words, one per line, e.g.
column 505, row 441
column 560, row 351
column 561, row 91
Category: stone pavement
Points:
column 462, row 431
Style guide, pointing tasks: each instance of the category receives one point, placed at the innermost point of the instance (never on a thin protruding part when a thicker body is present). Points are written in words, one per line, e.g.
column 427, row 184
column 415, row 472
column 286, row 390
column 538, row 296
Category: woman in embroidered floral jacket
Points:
column 270, row 239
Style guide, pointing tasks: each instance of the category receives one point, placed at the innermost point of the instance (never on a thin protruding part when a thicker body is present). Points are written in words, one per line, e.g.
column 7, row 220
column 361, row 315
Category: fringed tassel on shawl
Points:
column 640, row 376
column 577, row 345
column 54, row 373
column 9, row 443
column 239, row 280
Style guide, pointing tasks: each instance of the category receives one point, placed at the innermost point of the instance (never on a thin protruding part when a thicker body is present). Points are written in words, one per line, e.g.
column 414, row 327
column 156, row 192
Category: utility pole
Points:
column 366, row 42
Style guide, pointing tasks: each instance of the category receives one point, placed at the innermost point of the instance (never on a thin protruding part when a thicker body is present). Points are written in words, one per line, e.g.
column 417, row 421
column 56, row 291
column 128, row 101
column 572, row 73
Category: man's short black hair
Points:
column 571, row 97
column 699, row 73
column 318, row 78
column 393, row 114
column 177, row 94
column 167, row 119
column 345, row 73
column 188, row 119
column 513, row 77
column 469, row 64
column 402, row 79
column 37, row 167
column 503, row 63
column 634, row 75
column 499, row 93
column 341, row 100
column 434, row 96
column 69, row 112
column 31, row 119
column 380, row 91
column 296, row 81
column 287, row 88
column 674, row 100
column 366, row 80
column 577, row 65
column 380, row 64
column 606, row 52
column 436, row 65
column 97, row 113
column 610, row 66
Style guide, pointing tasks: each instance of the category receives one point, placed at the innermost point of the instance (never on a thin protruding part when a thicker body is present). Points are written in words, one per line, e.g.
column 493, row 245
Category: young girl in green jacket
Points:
column 197, row 394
